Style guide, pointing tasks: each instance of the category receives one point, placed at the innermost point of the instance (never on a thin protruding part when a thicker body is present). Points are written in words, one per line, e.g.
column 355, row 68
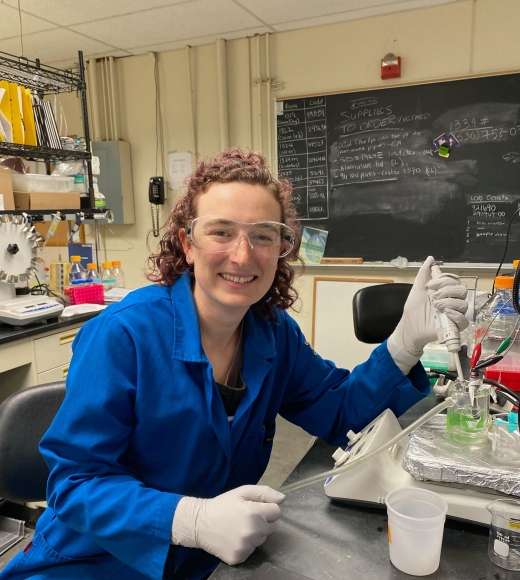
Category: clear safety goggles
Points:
column 213, row 233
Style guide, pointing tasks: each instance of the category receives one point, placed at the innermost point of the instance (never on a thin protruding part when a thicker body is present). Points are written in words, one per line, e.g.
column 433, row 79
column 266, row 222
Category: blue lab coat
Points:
column 143, row 424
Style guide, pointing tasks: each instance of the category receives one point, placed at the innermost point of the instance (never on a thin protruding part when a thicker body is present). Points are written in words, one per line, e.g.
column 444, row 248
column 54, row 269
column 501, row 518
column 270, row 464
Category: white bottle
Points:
column 118, row 274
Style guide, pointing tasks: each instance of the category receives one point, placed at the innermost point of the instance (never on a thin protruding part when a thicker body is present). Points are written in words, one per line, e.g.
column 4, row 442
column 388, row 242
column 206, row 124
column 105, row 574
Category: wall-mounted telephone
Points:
column 156, row 190
column 156, row 196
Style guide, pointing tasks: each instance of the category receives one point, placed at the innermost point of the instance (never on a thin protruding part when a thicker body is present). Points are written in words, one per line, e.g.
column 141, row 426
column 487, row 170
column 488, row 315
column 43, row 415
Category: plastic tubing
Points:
column 503, row 388
column 459, row 366
column 449, row 402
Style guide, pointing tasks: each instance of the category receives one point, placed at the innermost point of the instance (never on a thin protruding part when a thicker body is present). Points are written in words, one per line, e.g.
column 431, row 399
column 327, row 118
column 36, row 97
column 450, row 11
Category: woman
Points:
column 172, row 395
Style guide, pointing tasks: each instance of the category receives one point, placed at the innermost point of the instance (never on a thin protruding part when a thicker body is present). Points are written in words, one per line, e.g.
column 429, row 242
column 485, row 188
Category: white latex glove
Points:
column 416, row 327
column 229, row 526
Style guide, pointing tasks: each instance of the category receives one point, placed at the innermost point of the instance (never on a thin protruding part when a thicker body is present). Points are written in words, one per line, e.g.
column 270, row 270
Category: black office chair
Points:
column 377, row 310
column 25, row 416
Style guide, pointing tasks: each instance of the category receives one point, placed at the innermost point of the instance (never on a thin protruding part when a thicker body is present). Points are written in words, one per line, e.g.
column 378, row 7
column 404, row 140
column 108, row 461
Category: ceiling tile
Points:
column 101, row 27
column 172, row 23
column 274, row 11
column 11, row 46
column 54, row 45
column 67, row 12
column 359, row 13
column 10, row 23
column 175, row 45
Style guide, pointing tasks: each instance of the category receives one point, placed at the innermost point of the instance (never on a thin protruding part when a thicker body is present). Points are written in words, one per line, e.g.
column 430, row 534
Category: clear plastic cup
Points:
column 504, row 533
column 415, row 527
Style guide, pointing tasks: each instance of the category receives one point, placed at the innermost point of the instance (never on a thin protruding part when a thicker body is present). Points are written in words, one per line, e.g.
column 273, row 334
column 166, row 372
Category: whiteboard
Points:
column 333, row 334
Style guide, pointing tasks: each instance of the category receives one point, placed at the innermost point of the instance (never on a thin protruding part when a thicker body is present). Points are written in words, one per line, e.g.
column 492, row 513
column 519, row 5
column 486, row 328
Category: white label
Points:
column 2, row 202
column 179, row 168
column 279, row 107
column 501, row 548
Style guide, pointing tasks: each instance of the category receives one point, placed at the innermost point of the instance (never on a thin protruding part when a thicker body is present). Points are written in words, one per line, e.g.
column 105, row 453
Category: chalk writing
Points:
column 302, row 154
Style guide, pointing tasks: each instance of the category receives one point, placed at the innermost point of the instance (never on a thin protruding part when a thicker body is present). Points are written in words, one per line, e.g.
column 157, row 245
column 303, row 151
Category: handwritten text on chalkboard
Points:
column 363, row 166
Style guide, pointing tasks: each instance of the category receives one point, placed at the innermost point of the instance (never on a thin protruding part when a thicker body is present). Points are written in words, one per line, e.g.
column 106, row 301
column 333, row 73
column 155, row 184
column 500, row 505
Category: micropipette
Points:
column 447, row 331
column 80, row 218
column 56, row 218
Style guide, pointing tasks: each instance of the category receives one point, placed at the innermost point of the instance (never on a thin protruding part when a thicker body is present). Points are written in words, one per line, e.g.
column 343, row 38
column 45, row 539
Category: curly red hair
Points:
column 230, row 165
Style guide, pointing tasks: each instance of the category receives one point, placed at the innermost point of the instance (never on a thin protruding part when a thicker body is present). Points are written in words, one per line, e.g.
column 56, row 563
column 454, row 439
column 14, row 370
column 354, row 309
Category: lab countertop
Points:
column 12, row 333
column 326, row 540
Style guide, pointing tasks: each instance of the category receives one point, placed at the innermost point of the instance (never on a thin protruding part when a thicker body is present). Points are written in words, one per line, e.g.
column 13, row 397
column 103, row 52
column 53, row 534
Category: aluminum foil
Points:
column 431, row 456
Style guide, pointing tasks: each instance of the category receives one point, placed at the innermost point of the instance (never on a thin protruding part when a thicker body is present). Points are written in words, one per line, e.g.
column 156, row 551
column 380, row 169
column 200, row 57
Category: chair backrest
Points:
column 25, row 416
column 377, row 310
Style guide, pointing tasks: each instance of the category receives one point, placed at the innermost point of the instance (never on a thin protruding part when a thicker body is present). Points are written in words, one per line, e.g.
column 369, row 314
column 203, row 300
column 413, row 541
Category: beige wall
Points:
column 467, row 37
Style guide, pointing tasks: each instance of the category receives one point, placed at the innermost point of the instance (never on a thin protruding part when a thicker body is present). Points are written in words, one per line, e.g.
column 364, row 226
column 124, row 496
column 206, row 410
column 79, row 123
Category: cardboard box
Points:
column 6, row 190
column 38, row 200
column 61, row 236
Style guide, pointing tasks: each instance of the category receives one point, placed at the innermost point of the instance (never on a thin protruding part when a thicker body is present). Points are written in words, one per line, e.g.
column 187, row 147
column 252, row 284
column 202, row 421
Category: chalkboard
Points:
column 363, row 167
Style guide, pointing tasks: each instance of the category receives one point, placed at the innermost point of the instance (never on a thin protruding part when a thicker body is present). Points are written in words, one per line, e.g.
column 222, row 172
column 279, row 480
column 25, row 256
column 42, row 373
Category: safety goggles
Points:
column 213, row 233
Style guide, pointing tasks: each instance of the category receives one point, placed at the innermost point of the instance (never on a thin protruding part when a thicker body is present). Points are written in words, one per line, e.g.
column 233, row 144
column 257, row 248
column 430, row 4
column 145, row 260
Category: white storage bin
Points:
column 42, row 183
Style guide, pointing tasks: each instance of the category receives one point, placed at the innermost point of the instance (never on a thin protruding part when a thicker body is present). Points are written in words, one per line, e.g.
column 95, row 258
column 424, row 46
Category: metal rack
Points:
column 47, row 80
column 41, row 153
column 46, row 215
column 39, row 77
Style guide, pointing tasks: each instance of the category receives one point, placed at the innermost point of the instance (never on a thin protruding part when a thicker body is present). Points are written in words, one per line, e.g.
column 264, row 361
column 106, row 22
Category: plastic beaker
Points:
column 467, row 422
column 504, row 533
column 415, row 527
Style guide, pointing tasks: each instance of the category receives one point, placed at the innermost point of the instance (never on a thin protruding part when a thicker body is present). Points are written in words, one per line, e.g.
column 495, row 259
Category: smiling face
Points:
column 228, row 283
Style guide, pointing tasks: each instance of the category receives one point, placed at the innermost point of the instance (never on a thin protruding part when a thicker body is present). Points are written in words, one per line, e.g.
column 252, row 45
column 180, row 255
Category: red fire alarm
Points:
column 390, row 66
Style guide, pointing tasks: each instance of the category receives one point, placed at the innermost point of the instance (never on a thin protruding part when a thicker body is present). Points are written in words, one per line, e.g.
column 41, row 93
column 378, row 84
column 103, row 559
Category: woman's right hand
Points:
column 417, row 325
column 229, row 526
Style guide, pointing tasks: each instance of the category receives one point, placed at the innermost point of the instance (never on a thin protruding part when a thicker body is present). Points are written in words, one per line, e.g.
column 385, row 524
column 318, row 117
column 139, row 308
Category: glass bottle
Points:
column 118, row 274
column 92, row 273
column 77, row 271
column 467, row 422
column 107, row 276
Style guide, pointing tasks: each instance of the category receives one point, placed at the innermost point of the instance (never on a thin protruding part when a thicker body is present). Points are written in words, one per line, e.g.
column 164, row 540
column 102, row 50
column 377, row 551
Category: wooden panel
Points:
column 333, row 335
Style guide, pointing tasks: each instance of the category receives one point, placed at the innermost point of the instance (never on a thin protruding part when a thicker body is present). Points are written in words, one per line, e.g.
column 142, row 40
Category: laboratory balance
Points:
column 19, row 244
